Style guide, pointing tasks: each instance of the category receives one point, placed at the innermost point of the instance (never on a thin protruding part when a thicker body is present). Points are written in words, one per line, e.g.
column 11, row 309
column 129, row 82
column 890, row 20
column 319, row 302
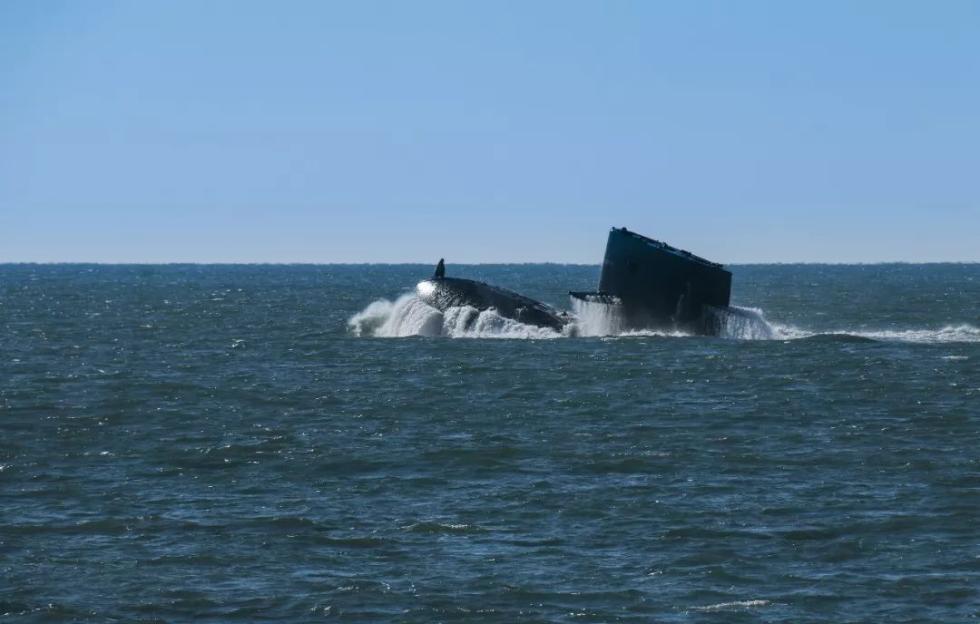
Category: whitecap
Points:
column 736, row 604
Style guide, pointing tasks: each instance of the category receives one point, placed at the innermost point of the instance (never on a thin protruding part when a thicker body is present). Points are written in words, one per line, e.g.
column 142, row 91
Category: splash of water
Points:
column 743, row 324
column 409, row 316
column 598, row 319
column 467, row 322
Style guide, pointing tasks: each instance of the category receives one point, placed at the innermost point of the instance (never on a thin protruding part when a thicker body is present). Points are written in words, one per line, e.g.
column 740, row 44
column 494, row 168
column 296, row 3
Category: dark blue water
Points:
column 217, row 443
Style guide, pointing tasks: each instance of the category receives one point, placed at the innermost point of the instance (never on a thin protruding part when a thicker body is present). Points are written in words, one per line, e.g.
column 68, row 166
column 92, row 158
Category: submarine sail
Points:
column 655, row 285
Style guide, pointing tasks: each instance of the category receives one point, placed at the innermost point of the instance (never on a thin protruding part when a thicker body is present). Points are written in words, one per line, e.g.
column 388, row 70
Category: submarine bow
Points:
column 443, row 293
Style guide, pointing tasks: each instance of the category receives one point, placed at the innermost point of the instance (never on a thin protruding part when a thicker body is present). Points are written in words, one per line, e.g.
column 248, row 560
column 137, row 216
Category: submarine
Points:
column 650, row 285
column 443, row 292
column 644, row 284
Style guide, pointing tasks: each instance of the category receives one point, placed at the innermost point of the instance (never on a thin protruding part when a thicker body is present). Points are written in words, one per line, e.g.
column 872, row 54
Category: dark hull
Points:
column 654, row 285
column 448, row 292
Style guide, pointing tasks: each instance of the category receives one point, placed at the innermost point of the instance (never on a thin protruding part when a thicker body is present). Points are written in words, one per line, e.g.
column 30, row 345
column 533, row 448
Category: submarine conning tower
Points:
column 656, row 282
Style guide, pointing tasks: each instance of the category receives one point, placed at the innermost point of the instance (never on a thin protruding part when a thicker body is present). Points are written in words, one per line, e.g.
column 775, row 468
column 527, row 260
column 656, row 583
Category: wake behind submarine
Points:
column 644, row 284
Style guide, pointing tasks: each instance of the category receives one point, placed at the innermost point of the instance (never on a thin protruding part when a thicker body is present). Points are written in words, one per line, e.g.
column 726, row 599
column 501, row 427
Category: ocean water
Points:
column 300, row 443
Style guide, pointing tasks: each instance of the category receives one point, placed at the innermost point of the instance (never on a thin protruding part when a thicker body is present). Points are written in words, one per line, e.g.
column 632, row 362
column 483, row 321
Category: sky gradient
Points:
column 488, row 132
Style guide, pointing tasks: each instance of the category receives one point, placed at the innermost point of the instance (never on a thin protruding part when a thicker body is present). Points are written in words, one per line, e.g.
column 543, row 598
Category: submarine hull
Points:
column 443, row 293
column 652, row 285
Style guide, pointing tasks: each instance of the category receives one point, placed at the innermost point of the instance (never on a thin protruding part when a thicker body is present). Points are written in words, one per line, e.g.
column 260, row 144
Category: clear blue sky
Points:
column 235, row 131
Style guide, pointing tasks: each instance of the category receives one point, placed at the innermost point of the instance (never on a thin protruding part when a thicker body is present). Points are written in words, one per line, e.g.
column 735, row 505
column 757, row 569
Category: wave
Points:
column 742, row 323
column 949, row 333
column 409, row 316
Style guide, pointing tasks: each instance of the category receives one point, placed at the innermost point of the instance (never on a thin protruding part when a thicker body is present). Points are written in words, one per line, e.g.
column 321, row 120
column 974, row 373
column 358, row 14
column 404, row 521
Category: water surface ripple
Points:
column 214, row 443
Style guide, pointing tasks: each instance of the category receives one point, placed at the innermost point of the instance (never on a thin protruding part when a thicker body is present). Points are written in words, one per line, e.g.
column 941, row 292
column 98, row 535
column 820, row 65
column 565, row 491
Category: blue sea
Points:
column 302, row 443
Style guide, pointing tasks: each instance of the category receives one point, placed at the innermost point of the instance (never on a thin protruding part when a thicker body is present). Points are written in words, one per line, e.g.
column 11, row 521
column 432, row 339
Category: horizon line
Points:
column 518, row 263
